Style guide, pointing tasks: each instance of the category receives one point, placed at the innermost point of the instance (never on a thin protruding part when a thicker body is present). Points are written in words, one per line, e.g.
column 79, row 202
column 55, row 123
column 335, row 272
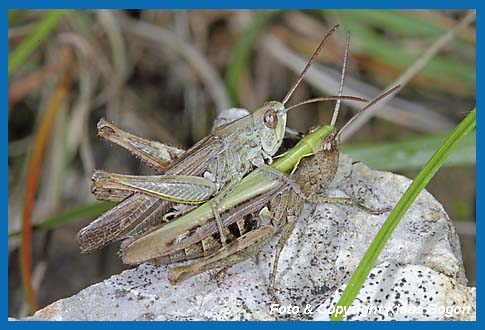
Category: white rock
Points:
column 410, row 292
column 228, row 116
column 325, row 248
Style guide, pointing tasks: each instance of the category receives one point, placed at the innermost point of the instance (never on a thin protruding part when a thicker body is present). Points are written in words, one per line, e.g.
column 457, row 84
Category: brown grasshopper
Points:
column 215, row 164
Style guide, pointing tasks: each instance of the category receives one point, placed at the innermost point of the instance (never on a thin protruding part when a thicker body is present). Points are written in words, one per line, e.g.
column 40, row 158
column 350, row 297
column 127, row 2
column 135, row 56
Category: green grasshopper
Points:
column 269, row 197
column 215, row 164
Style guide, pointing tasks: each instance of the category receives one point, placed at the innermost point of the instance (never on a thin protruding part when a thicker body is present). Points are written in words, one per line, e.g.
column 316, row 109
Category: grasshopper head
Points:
column 270, row 121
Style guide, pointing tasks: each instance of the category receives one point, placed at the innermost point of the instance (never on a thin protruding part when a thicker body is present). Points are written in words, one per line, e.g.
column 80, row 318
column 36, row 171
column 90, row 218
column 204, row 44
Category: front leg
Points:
column 288, row 180
column 217, row 200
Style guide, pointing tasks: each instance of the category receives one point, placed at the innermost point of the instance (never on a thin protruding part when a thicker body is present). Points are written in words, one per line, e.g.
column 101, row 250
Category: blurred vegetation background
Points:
column 165, row 75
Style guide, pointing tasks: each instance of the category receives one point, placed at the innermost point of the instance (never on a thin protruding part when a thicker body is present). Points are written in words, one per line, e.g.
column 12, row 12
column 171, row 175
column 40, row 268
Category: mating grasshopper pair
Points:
column 212, row 167
column 264, row 204
column 238, row 221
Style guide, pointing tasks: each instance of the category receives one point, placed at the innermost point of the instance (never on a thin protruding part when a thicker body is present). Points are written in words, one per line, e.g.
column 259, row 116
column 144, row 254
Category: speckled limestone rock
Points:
column 410, row 292
column 420, row 266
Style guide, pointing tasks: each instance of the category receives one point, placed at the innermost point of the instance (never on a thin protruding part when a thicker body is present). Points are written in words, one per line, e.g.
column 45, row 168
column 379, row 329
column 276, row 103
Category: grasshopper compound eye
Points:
column 270, row 118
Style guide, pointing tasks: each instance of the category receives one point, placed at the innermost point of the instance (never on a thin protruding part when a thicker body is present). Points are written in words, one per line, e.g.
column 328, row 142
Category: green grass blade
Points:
column 365, row 266
column 402, row 22
column 71, row 215
column 396, row 21
column 410, row 154
column 439, row 67
column 27, row 46
column 239, row 59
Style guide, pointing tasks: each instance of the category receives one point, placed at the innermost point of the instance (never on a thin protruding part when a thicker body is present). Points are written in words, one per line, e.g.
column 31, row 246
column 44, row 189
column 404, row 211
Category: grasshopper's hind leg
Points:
column 246, row 246
column 153, row 153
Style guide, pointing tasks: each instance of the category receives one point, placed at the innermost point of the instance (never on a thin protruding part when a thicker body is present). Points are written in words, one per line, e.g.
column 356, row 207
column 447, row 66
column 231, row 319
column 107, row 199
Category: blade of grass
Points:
column 439, row 67
column 69, row 216
column 444, row 21
column 41, row 31
column 411, row 153
column 396, row 21
column 34, row 165
column 412, row 70
column 404, row 23
column 241, row 53
column 365, row 266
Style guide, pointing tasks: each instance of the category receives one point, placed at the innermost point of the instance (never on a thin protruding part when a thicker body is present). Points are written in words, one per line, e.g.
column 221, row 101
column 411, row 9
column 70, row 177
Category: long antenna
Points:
column 309, row 64
column 342, row 77
column 328, row 98
column 368, row 105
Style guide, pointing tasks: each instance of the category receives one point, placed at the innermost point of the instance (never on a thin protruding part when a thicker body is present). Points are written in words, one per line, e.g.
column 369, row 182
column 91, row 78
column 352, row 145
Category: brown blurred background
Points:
column 165, row 75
